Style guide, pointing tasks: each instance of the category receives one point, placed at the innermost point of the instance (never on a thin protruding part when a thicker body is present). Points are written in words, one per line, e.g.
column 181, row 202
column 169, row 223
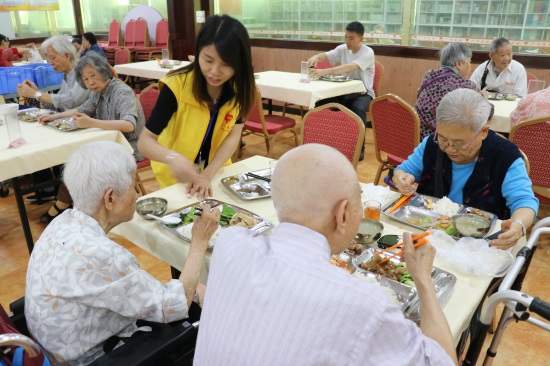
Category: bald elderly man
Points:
column 277, row 300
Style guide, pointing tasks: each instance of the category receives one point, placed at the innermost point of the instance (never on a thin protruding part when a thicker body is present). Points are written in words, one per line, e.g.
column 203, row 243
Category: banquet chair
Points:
column 531, row 76
column 378, row 72
column 396, row 128
column 148, row 99
column 129, row 34
column 532, row 138
column 268, row 126
column 114, row 41
column 123, row 56
column 141, row 34
column 149, row 53
column 334, row 125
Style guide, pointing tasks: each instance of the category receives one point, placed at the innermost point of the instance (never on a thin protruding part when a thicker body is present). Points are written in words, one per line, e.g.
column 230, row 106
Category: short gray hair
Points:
column 497, row 43
column 95, row 168
column 464, row 107
column 97, row 62
column 61, row 45
column 453, row 53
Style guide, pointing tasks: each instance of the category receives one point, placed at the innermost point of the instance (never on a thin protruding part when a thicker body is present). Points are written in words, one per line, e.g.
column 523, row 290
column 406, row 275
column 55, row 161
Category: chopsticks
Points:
column 258, row 177
column 398, row 204
column 415, row 238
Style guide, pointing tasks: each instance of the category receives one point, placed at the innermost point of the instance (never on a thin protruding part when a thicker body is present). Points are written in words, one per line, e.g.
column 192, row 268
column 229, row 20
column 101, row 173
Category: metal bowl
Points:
column 511, row 97
column 471, row 225
column 177, row 62
column 369, row 231
column 153, row 205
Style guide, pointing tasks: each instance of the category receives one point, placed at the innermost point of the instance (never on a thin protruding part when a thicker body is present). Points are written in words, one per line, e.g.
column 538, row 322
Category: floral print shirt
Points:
column 83, row 288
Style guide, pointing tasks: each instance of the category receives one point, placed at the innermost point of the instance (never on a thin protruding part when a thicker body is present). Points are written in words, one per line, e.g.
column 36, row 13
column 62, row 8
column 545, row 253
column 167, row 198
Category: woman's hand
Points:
column 83, row 120
column 511, row 233
column 48, row 118
column 202, row 186
column 403, row 182
column 27, row 89
column 206, row 224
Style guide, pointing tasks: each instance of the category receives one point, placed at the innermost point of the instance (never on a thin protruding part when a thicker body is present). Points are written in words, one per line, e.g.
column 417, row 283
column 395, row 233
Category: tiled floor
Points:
column 523, row 344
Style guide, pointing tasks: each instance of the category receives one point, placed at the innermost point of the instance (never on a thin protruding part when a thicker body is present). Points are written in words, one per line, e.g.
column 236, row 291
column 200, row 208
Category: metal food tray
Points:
column 63, row 124
column 444, row 283
column 32, row 114
column 414, row 209
column 336, row 78
column 261, row 225
column 247, row 187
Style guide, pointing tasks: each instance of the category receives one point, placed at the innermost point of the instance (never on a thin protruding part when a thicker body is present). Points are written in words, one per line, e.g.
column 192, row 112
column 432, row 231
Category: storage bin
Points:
column 47, row 76
column 10, row 77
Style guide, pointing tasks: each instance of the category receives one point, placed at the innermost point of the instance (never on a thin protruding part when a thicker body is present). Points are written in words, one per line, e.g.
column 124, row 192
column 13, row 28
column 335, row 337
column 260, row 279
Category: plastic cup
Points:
column 165, row 54
column 535, row 86
column 304, row 72
column 372, row 210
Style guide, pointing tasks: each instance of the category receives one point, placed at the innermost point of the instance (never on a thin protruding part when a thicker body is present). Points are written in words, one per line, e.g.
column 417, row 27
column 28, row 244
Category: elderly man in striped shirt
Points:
column 276, row 300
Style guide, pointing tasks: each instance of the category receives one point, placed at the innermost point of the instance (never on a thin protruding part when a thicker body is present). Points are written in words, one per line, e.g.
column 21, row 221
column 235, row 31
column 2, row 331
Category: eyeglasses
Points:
column 456, row 146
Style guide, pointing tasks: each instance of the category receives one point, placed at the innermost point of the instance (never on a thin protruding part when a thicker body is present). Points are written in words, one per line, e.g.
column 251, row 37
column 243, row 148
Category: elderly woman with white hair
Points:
column 472, row 165
column 112, row 105
column 82, row 287
column 453, row 74
column 61, row 55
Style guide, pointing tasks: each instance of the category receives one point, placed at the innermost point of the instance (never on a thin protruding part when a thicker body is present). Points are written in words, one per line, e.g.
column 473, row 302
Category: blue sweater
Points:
column 94, row 48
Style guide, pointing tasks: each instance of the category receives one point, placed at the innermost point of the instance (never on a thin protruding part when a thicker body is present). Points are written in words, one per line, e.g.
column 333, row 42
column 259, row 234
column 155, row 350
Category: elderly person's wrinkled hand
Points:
column 201, row 185
column 419, row 260
column 317, row 73
column 312, row 60
column 205, row 224
column 27, row 89
column 403, row 182
column 83, row 120
column 511, row 233
column 47, row 118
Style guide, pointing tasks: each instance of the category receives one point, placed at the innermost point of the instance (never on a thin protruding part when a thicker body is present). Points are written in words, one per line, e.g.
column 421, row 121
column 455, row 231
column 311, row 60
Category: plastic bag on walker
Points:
column 470, row 255
column 33, row 56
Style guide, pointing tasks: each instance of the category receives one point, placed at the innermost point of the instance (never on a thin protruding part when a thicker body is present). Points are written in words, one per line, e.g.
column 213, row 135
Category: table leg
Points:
column 270, row 106
column 23, row 213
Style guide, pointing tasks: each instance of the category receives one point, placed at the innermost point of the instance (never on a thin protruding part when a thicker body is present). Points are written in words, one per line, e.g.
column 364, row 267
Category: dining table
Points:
column 147, row 69
column 288, row 87
column 151, row 236
column 501, row 118
column 44, row 147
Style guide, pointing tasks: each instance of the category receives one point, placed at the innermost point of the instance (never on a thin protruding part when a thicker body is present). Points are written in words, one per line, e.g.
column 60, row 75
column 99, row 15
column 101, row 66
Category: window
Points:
column 30, row 24
column 431, row 23
column 98, row 14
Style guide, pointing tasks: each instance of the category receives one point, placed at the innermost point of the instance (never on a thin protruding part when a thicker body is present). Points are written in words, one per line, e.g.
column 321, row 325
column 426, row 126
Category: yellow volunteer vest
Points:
column 187, row 127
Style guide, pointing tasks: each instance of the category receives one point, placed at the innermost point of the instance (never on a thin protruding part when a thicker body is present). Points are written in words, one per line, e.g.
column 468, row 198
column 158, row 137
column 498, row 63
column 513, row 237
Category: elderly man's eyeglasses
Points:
column 444, row 143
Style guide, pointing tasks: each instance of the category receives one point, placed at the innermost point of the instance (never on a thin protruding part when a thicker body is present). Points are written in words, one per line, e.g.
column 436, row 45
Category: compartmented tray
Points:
column 63, row 124
column 247, row 187
column 413, row 213
column 336, row 78
column 407, row 296
column 32, row 114
column 261, row 225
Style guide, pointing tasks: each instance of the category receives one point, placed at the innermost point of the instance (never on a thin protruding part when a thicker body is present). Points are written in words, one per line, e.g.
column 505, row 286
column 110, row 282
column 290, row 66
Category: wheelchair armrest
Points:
column 18, row 306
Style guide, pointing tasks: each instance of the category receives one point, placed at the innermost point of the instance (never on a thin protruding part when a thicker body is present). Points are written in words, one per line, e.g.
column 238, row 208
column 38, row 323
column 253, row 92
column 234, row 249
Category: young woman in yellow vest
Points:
column 196, row 124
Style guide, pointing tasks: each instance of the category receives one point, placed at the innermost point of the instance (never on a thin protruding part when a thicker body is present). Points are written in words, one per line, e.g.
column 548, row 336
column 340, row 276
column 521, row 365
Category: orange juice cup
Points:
column 372, row 210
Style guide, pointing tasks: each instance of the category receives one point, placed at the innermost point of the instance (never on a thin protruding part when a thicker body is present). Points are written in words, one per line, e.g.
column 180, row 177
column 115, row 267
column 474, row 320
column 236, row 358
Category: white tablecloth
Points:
column 47, row 147
column 146, row 69
column 501, row 119
column 150, row 236
column 286, row 87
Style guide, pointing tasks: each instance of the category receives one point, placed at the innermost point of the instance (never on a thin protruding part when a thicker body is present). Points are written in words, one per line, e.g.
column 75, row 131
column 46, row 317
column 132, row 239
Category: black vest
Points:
column 483, row 189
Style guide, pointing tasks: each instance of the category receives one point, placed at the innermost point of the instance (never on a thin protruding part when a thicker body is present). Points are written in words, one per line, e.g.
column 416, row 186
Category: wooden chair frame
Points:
column 384, row 163
column 349, row 113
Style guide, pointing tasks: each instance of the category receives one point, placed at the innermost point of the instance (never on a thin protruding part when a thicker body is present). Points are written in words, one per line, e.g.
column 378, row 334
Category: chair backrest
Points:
column 129, row 38
column 323, row 65
column 378, row 72
column 257, row 112
column 115, row 34
column 162, row 34
column 396, row 126
column 141, row 33
column 122, row 56
column 532, row 138
column 340, row 128
column 148, row 99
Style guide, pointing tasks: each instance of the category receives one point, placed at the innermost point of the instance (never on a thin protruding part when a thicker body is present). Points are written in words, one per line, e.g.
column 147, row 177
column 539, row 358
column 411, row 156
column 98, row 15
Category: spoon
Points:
column 168, row 220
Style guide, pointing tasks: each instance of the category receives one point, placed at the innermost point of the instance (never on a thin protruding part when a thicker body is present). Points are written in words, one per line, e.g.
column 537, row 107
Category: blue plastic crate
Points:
column 12, row 76
column 47, row 76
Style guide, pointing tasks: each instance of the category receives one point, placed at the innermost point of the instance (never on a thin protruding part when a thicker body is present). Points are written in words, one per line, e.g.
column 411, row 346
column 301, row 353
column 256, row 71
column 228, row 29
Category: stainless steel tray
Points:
column 247, row 187
column 336, row 78
column 413, row 210
column 32, row 114
column 261, row 225
column 444, row 283
column 63, row 124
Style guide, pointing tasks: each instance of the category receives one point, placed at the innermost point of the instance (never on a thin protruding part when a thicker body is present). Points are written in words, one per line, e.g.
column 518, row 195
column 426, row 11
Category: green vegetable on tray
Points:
column 226, row 215
column 406, row 276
